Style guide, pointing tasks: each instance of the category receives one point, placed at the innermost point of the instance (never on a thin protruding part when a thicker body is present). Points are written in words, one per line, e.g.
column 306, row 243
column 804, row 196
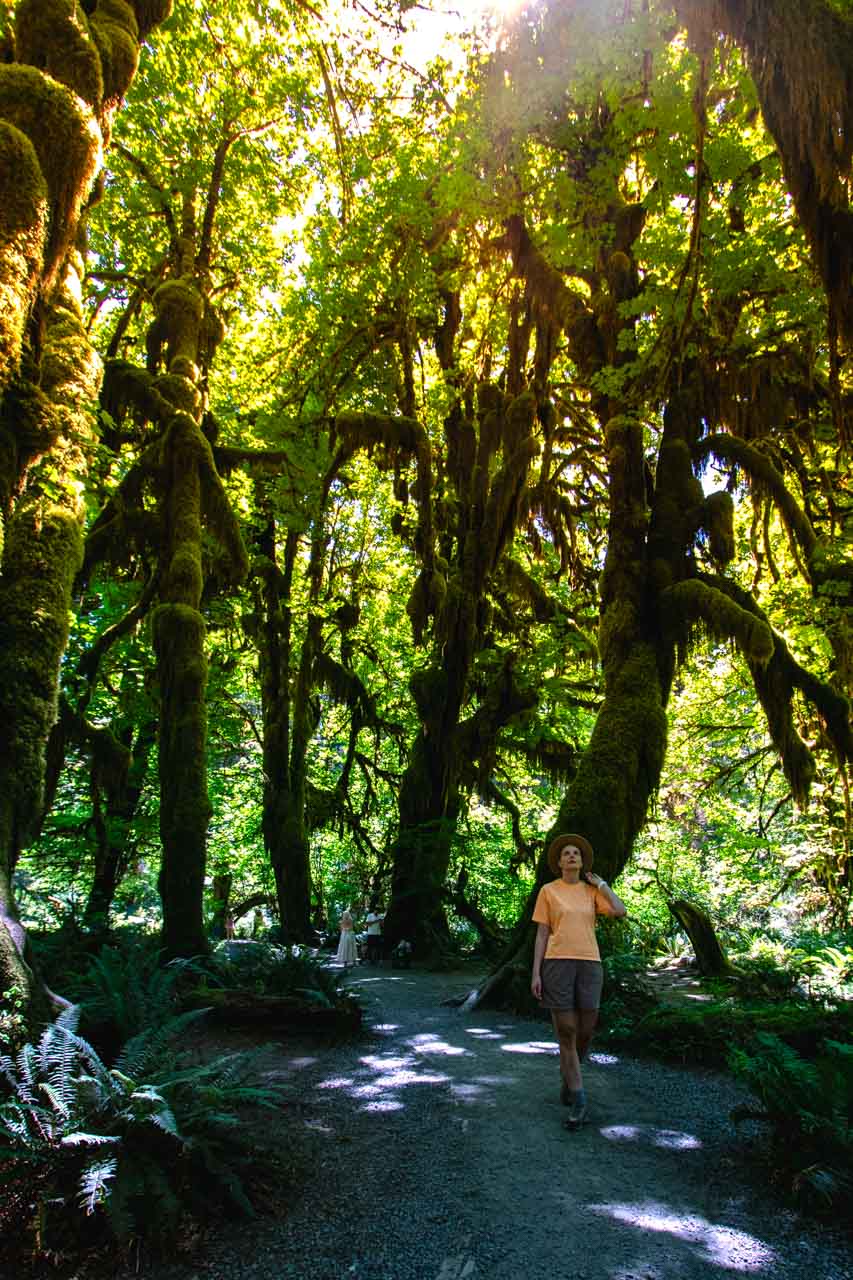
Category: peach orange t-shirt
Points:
column 569, row 910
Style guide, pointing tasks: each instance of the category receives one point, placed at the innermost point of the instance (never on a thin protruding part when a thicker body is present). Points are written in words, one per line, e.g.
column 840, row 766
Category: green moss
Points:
column 23, row 227
column 617, row 631
column 179, row 391
column 42, row 554
column 694, row 601
column 220, row 521
column 720, row 525
column 179, row 307
column 150, row 13
column 67, row 142
column 54, row 36
column 128, row 389
column 418, row 606
column 28, row 417
column 429, row 690
column 620, row 770
column 116, row 33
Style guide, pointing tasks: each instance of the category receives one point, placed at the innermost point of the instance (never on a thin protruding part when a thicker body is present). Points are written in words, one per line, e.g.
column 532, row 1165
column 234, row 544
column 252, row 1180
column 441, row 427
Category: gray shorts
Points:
column 571, row 984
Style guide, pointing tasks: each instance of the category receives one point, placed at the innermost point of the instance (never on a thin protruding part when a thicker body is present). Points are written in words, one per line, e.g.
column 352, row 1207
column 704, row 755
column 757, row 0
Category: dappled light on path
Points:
column 668, row 1139
column 717, row 1245
column 436, row 1135
column 531, row 1046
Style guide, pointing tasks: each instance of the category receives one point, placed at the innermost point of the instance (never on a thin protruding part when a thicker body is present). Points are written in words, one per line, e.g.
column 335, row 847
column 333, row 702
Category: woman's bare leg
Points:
column 566, row 1030
column 587, row 1019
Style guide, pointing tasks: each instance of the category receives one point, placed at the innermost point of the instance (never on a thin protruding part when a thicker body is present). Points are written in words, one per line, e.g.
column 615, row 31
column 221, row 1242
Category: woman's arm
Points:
column 543, row 932
column 617, row 905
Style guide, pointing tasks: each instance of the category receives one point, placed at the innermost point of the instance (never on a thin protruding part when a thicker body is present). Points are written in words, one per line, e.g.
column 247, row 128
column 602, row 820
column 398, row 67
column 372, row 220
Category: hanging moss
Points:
column 418, row 607
column 719, row 523
column 150, row 13
column 116, row 34
column 461, row 441
column 54, row 36
column 695, row 601
column 345, row 687
column 395, row 437
column 800, row 53
column 504, row 504
column 429, row 690
column 767, row 479
column 67, row 141
column 775, row 682
column 219, row 518
column 128, row 389
column 558, row 761
column 23, row 227
column 519, row 422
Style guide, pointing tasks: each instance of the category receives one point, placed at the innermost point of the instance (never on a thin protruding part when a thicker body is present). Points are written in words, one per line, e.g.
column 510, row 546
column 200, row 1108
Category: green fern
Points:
column 810, row 1106
column 135, row 1145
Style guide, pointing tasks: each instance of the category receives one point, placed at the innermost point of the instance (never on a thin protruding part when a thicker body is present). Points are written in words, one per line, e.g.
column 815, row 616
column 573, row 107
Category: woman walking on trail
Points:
column 567, row 974
column 347, row 953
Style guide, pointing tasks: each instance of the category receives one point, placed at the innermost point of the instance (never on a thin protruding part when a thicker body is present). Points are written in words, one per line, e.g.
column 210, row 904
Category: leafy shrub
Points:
column 810, row 1105
column 706, row 1032
column 131, row 1147
column 276, row 971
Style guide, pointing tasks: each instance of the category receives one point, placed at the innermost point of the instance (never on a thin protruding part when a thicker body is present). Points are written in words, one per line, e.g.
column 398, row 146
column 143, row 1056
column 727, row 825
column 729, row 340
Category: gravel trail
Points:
column 434, row 1150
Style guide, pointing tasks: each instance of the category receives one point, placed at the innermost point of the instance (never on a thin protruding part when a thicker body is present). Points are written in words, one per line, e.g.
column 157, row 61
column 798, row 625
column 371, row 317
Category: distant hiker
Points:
column 402, row 954
column 374, row 936
column 347, row 953
column 229, row 924
column 567, row 974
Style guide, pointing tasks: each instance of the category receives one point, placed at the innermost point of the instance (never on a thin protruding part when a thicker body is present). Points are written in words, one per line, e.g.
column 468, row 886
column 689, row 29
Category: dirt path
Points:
column 436, row 1152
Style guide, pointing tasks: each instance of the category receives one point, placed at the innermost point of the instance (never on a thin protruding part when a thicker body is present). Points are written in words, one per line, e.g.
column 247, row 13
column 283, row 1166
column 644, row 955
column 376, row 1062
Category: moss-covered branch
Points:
column 775, row 681
column 694, row 601
column 760, row 469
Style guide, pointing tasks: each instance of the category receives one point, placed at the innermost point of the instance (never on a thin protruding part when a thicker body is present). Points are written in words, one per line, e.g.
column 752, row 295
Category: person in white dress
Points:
column 347, row 953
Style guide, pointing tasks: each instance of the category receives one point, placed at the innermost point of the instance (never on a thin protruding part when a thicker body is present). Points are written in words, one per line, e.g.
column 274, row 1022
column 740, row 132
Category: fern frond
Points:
column 143, row 1051
column 89, row 1140
column 94, row 1184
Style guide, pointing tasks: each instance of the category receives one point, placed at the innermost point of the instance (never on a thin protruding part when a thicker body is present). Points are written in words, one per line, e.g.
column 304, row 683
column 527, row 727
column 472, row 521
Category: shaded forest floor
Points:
column 431, row 1148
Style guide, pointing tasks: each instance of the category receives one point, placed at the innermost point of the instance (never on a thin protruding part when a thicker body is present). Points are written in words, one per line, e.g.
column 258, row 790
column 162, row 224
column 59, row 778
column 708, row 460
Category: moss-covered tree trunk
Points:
column 488, row 468
column 115, row 800
column 699, row 927
column 63, row 76
column 428, row 809
column 286, row 731
column 178, row 630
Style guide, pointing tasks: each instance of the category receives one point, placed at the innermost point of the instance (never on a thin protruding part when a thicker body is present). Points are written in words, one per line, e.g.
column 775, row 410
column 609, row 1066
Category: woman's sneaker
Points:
column 577, row 1113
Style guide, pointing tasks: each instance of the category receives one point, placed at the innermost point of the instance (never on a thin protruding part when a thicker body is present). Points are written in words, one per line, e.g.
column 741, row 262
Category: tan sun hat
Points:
column 558, row 844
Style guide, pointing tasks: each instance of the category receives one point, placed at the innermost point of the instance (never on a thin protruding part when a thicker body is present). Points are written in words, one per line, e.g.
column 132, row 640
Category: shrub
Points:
column 277, row 971
column 810, row 1106
column 706, row 1032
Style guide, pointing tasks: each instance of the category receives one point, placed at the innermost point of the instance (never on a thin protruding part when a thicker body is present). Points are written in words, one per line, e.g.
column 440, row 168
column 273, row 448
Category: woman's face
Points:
column 570, row 856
